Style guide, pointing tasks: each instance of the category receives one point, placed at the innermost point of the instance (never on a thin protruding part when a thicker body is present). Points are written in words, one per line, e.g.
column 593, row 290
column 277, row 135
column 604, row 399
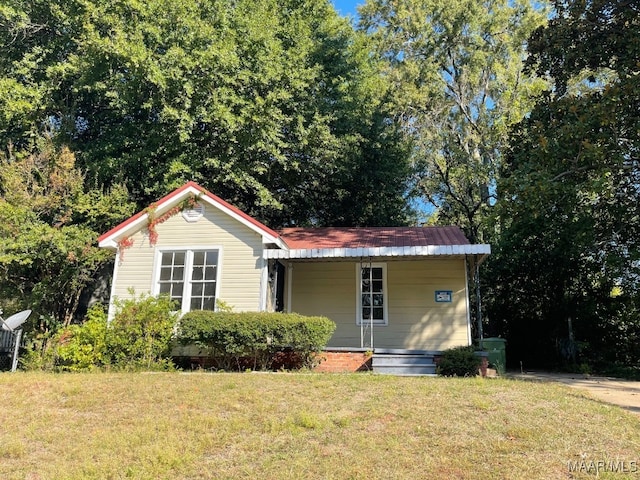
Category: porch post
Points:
column 289, row 285
column 467, row 295
column 472, row 271
column 479, row 302
column 264, row 284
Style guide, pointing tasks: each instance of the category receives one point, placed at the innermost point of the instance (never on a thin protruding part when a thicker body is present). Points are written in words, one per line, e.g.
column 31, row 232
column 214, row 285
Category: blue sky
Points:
column 346, row 7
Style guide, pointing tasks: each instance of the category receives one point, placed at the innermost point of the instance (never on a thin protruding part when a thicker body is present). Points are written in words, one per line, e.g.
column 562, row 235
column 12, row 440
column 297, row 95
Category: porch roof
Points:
column 335, row 242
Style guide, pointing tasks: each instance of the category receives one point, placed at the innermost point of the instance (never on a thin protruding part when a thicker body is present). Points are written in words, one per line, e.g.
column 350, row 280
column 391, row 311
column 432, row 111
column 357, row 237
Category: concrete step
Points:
column 401, row 360
column 404, row 351
column 422, row 370
column 403, row 364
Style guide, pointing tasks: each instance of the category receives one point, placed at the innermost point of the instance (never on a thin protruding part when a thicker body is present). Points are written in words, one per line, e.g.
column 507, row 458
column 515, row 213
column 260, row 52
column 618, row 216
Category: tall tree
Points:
column 567, row 268
column 48, row 228
column 273, row 105
column 457, row 71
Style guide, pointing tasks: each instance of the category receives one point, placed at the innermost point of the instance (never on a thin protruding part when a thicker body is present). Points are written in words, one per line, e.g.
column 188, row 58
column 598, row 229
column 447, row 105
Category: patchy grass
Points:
column 281, row 426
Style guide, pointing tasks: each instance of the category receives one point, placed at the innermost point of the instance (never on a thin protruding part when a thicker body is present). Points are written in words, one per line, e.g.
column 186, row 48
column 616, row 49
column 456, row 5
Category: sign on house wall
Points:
column 444, row 296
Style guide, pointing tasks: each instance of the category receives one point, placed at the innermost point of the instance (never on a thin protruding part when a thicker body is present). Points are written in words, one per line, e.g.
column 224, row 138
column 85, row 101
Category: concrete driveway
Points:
column 624, row 393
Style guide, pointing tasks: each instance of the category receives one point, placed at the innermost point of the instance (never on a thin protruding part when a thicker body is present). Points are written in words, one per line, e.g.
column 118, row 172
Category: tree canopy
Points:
column 457, row 71
column 568, row 263
column 48, row 231
column 275, row 106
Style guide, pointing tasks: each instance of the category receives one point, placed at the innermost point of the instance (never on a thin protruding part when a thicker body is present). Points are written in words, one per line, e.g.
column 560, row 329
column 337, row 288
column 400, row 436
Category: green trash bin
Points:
column 496, row 347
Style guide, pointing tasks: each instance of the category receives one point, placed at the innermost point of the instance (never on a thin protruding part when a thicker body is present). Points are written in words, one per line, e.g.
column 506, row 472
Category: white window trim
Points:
column 385, row 294
column 188, row 267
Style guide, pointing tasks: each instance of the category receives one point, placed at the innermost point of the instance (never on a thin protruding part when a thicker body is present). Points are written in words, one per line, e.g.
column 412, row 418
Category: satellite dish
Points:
column 15, row 320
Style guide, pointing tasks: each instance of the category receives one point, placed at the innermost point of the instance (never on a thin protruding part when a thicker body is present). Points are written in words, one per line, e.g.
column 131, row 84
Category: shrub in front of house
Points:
column 458, row 362
column 141, row 332
column 138, row 338
column 83, row 347
column 255, row 340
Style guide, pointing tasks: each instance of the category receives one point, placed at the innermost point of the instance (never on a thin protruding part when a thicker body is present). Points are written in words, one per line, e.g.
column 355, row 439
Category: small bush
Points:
column 140, row 334
column 458, row 362
column 83, row 347
column 39, row 353
column 139, row 337
column 236, row 341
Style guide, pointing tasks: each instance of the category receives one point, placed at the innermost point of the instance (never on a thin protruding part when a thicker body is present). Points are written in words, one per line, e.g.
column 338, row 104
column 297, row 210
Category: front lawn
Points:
column 299, row 426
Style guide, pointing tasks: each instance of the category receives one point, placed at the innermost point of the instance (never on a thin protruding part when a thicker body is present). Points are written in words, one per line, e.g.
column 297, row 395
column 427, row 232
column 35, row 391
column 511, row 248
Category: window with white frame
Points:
column 189, row 277
column 372, row 294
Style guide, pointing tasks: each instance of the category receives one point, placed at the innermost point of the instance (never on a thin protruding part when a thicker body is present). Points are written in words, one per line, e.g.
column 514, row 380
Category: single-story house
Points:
column 390, row 290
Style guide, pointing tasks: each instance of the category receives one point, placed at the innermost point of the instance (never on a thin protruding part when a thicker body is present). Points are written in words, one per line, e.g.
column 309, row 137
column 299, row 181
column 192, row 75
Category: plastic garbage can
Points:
column 496, row 348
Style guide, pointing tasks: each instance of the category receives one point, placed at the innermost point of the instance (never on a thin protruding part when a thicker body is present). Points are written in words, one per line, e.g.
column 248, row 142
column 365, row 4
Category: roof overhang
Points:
column 139, row 221
column 373, row 252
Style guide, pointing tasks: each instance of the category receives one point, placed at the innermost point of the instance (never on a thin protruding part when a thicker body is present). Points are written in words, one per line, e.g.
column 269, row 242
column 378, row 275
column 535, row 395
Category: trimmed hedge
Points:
column 237, row 341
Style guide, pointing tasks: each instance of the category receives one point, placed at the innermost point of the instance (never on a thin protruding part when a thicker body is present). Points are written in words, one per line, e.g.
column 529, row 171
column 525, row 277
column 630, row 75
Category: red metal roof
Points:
column 371, row 237
column 318, row 238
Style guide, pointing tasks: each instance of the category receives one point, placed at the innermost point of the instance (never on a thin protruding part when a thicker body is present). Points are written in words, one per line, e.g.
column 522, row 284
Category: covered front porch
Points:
column 392, row 303
column 398, row 296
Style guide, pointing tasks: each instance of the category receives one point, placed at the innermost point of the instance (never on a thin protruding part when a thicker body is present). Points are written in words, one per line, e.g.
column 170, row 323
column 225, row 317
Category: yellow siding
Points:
column 328, row 289
column 416, row 321
column 240, row 261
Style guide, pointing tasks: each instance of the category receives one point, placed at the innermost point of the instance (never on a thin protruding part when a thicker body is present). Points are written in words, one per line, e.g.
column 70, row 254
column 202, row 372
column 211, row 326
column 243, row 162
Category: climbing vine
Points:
column 154, row 221
column 126, row 242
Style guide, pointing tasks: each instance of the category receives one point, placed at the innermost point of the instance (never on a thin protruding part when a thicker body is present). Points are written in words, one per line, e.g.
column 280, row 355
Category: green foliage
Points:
column 567, row 262
column 39, row 353
column 222, row 306
column 84, row 347
column 139, row 337
column 456, row 68
column 48, row 255
column 140, row 334
column 45, row 268
column 237, row 340
column 458, row 362
column 276, row 106
column 587, row 37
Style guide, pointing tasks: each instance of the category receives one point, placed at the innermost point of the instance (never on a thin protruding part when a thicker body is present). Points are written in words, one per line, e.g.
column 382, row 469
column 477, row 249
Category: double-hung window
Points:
column 372, row 294
column 189, row 277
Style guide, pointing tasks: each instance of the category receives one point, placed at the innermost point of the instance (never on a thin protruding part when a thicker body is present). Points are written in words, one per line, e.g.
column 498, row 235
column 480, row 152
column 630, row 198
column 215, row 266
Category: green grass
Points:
column 295, row 426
